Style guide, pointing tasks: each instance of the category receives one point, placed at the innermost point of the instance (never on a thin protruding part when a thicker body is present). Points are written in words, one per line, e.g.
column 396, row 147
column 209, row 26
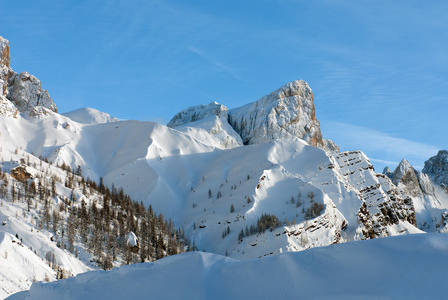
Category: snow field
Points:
column 405, row 267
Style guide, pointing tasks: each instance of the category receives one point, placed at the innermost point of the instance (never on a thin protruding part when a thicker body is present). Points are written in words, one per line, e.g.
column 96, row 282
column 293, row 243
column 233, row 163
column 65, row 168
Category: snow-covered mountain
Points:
column 428, row 196
column 437, row 168
column 408, row 267
column 90, row 116
column 285, row 113
column 249, row 182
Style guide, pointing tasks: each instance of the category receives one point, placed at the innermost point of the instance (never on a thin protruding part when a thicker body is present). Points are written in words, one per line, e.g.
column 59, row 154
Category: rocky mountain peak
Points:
column 23, row 90
column 5, row 70
column 4, row 52
column 437, row 168
column 413, row 182
column 387, row 172
column 198, row 112
column 405, row 176
column 403, row 167
column 285, row 113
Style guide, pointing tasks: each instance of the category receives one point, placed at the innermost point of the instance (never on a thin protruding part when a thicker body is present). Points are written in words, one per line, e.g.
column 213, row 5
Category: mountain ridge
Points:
column 250, row 182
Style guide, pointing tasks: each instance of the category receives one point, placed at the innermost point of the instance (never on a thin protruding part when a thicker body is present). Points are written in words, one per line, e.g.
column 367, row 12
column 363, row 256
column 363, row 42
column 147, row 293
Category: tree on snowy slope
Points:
column 83, row 214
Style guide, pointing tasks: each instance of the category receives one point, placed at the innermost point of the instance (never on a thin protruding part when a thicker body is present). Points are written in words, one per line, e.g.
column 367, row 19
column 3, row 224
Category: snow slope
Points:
column 90, row 116
column 19, row 266
column 194, row 182
column 407, row 267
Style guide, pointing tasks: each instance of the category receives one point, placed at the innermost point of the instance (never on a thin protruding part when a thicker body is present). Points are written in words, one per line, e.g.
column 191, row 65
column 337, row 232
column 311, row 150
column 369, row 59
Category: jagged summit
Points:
column 437, row 168
column 4, row 65
column 286, row 113
column 387, row 172
column 4, row 52
column 22, row 90
column 197, row 113
column 407, row 176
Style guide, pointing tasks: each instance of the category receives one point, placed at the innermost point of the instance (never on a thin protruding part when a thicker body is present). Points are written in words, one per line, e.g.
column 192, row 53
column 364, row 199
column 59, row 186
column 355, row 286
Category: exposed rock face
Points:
column 406, row 176
column 387, row 172
column 4, row 52
column 437, row 168
column 198, row 112
column 23, row 90
column 413, row 182
column 383, row 207
column 285, row 113
column 5, row 70
column 20, row 173
column 429, row 210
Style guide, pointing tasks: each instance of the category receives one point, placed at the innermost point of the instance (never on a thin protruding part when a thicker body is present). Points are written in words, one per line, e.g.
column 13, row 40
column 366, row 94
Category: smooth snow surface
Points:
column 405, row 267
column 90, row 116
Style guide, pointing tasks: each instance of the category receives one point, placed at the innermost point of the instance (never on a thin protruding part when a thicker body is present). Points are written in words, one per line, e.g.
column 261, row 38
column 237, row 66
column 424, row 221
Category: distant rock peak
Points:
column 387, row 172
column 437, row 168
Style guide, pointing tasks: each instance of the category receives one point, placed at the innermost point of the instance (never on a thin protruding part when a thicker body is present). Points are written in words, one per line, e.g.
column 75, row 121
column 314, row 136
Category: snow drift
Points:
column 408, row 267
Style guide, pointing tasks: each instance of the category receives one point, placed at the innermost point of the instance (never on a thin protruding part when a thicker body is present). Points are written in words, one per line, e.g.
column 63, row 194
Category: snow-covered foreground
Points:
column 402, row 267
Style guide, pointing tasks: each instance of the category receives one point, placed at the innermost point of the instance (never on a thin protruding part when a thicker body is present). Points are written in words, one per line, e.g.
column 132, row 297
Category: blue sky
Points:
column 378, row 69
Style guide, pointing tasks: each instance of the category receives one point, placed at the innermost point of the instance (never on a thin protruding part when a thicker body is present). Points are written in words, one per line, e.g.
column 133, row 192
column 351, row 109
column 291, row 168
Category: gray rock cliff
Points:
column 23, row 90
column 437, row 168
column 285, row 113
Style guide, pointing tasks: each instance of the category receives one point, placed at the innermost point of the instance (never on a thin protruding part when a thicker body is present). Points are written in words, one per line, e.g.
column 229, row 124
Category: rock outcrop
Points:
column 286, row 113
column 5, row 70
column 429, row 210
column 437, row 168
column 406, row 176
column 197, row 113
column 384, row 209
column 387, row 172
column 23, row 90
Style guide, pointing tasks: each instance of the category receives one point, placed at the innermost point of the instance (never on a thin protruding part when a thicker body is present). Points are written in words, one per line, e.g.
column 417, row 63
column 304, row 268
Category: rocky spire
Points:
column 5, row 70
column 413, row 182
column 387, row 172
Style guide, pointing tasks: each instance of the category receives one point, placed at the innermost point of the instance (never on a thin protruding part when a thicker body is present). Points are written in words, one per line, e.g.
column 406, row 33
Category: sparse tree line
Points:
column 93, row 217
column 267, row 221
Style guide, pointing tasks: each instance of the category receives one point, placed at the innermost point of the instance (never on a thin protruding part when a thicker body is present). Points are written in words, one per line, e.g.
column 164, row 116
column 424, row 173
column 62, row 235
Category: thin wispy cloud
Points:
column 214, row 61
column 380, row 147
